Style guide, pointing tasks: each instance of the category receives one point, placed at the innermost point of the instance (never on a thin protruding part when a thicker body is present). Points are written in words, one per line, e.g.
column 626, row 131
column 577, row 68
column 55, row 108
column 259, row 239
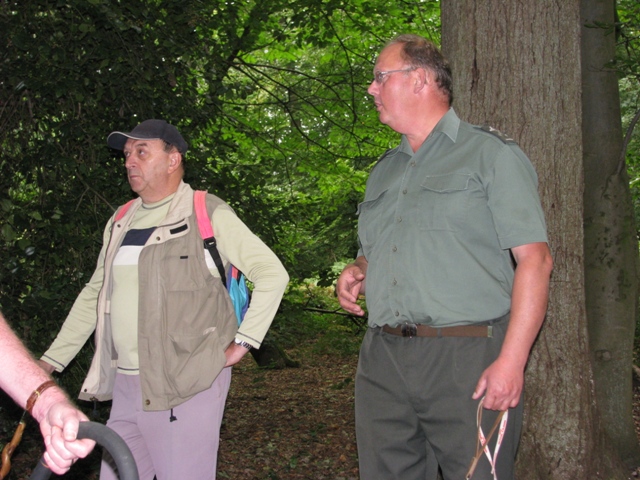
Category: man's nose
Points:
column 373, row 87
column 129, row 161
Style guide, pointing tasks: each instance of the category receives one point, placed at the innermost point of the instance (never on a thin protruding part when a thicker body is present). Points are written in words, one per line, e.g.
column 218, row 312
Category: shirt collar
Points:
column 449, row 125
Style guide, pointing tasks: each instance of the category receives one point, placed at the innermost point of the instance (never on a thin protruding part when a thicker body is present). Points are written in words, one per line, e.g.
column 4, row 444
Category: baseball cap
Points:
column 148, row 130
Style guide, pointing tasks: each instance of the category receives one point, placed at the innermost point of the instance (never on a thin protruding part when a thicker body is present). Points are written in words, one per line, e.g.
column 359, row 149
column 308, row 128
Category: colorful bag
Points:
column 235, row 281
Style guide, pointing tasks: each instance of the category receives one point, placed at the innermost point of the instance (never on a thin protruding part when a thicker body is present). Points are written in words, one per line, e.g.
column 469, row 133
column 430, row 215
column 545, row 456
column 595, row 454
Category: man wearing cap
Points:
column 165, row 331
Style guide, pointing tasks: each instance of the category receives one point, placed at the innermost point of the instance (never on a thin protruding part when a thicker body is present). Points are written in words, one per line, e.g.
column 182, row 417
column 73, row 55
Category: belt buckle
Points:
column 409, row 330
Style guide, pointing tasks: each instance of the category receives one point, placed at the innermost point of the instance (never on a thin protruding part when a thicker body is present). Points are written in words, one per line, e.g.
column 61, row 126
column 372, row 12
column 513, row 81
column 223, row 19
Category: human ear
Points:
column 422, row 79
column 175, row 159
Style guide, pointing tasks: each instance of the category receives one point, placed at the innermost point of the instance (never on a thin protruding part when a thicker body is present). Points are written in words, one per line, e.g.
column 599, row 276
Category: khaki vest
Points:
column 185, row 316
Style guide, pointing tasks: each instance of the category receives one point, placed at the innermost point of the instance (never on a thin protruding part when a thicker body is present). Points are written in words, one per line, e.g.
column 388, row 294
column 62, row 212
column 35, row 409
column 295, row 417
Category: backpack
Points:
column 234, row 281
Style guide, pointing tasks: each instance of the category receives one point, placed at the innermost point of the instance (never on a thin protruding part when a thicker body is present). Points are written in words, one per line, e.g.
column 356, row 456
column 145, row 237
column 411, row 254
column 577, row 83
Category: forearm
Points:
column 265, row 300
column 529, row 301
column 77, row 327
column 81, row 321
column 21, row 375
column 71, row 338
column 241, row 247
column 501, row 383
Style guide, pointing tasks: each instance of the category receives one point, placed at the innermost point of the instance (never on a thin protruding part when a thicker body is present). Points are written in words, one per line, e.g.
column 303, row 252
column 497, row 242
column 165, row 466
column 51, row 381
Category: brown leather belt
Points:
column 417, row 330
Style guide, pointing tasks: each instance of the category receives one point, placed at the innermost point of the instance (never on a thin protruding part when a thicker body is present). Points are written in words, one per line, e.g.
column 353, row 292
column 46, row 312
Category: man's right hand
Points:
column 59, row 420
column 350, row 285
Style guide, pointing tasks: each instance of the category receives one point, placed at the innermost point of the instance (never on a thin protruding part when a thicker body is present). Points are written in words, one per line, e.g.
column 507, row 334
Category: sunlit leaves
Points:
column 270, row 95
column 627, row 63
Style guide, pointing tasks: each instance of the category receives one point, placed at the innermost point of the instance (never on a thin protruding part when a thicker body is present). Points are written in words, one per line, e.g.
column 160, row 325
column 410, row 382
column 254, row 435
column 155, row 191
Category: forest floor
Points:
column 295, row 423
column 291, row 424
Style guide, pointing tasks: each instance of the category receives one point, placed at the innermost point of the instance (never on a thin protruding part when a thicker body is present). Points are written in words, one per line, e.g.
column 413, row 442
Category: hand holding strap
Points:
column 482, row 444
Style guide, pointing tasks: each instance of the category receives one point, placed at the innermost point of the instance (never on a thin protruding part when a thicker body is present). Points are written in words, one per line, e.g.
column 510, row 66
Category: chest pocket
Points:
column 443, row 201
column 370, row 220
column 183, row 265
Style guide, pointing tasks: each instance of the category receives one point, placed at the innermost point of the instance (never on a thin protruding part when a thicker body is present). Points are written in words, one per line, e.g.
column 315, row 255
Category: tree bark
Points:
column 610, row 243
column 516, row 66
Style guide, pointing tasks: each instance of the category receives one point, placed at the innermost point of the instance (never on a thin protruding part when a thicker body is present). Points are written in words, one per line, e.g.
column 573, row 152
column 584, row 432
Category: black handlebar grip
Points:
column 110, row 440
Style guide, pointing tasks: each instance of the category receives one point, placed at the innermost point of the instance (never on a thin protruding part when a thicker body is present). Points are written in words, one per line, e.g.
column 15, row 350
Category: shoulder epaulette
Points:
column 503, row 137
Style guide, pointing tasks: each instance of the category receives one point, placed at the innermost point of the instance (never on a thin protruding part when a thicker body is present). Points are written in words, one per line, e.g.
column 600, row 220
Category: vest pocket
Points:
column 185, row 273
column 199, row 326
column 195, row 362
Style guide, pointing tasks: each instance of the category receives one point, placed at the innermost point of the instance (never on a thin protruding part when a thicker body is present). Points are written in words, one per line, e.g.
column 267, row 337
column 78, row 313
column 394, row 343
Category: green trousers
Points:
column 414, row 411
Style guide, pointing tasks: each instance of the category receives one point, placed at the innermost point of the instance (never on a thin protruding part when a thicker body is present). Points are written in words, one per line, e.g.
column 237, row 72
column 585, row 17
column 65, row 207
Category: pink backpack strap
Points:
column 206, row 231
column 235, row 273
column 123, row 209
column 200, row 205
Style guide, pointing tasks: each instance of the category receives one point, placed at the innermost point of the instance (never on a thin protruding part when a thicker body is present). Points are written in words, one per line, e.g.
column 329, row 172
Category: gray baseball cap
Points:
column 149, row 130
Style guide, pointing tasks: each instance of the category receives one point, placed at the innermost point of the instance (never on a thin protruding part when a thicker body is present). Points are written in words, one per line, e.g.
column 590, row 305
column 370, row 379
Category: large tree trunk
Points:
column 610, row 244
column 516, row 66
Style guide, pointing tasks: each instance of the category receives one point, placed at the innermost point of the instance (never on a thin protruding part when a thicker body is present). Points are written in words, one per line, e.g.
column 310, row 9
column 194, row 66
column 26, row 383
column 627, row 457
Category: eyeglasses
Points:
column 380, row 76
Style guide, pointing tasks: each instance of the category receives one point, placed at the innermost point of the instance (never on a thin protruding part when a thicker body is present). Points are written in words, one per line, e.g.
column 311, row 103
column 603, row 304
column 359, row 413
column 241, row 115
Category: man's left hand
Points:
column 501, row 384
column 234, row 353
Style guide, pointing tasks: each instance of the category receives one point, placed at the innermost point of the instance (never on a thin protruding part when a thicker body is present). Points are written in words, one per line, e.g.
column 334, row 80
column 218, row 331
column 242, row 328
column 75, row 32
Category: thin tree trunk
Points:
column 516, row 66
column 611, row 247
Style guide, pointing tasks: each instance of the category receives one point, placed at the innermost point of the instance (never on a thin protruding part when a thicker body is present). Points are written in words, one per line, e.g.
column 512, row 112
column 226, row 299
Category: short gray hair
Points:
column 421, row 53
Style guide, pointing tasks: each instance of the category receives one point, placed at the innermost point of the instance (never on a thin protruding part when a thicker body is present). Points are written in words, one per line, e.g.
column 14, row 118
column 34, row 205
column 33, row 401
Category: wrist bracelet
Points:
column 33, row 398
column 244, row 344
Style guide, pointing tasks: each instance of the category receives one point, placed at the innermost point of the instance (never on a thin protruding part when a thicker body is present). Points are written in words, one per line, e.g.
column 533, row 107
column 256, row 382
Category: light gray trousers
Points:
column 183, row 449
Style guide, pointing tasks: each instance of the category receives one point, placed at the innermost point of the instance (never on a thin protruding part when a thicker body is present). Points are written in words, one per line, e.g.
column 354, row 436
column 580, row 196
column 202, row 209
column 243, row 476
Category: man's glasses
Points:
column 380, row 76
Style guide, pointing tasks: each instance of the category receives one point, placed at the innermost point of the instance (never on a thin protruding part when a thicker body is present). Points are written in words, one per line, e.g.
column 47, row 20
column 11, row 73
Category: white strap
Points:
column 482, row 443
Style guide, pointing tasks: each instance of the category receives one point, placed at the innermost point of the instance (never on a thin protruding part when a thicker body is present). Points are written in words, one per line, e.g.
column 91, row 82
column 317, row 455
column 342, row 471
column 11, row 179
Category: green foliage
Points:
column 627, row 64
column 312, row 322
column 270, row 95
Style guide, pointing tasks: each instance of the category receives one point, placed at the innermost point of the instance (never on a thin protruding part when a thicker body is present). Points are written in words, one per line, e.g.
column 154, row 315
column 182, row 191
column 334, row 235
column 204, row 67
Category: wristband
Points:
column 244, row 344
column 33, row 398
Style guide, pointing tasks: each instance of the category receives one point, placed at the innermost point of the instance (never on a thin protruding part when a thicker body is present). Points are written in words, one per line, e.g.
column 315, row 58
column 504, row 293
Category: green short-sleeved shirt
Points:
column 436, row 226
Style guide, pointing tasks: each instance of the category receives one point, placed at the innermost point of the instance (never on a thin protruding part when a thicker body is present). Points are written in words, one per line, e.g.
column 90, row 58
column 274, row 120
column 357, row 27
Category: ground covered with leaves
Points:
column 295, row 423
column 291, row 424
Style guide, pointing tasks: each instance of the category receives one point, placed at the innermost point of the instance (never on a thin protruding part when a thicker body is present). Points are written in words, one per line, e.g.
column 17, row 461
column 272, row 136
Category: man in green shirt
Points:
column 456, row 264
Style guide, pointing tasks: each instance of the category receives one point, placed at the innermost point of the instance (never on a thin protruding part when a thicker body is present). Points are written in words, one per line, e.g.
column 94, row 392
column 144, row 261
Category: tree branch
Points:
column 359, row 321
column 627, row 139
